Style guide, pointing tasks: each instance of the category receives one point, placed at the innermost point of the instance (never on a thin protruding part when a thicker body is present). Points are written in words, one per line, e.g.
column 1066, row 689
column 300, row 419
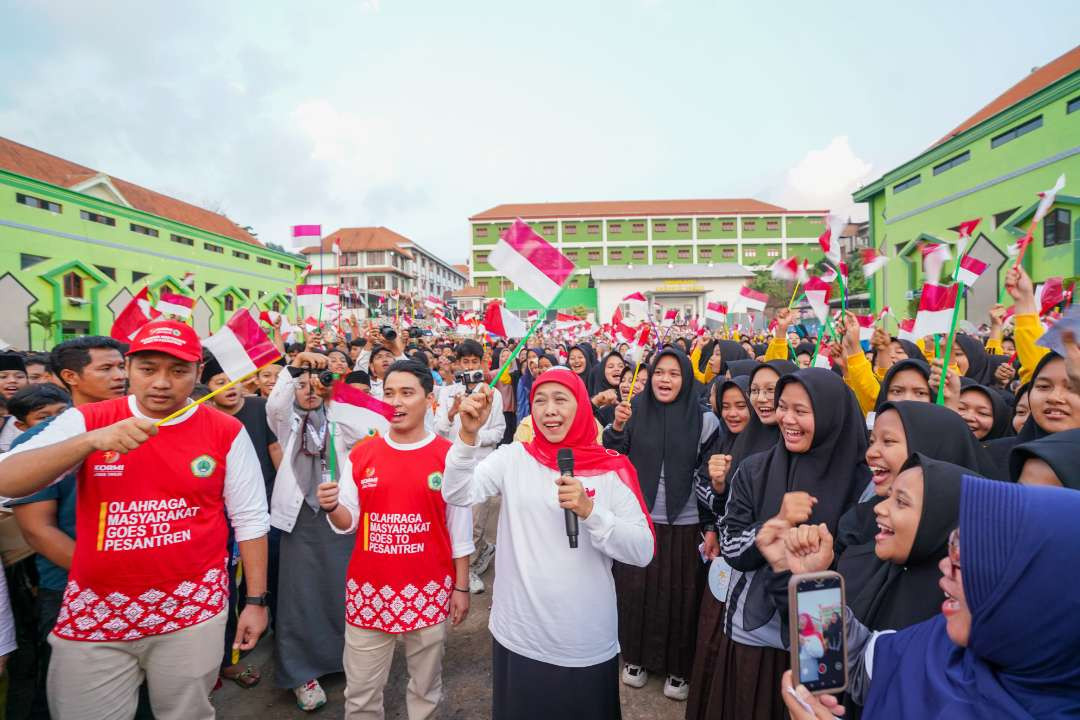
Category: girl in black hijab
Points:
column 1021, row 409
column 658, row 604
column 821, row 454
column 905, row 380
column 1053, row 460
column 605, row 374
column 580, row 359
column 974, row 362
column 737, row 368
column 984, row 410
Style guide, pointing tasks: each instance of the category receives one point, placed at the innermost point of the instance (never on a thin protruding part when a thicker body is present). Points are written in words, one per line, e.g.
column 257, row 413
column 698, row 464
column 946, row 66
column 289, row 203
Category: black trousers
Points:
column 526, row 689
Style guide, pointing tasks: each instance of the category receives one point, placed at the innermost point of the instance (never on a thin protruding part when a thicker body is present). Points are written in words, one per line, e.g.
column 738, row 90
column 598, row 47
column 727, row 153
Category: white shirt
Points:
column 245, row 491
column 7, row 620
column 551, row 603
column 489, row 436
column 458, row 519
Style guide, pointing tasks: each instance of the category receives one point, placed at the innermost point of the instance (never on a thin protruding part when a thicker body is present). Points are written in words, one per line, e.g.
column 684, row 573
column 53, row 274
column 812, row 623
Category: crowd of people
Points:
column 144, row 554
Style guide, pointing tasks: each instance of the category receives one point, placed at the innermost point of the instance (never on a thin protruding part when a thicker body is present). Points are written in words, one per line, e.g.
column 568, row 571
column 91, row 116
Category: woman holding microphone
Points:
column 553, row 614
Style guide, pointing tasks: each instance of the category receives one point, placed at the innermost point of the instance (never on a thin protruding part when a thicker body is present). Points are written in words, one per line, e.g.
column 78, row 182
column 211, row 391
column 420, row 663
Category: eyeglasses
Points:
column 763, row 392
column 954, row 552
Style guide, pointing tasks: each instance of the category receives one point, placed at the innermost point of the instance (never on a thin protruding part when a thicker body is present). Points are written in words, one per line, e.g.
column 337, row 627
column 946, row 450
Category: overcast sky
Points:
column 416, row 115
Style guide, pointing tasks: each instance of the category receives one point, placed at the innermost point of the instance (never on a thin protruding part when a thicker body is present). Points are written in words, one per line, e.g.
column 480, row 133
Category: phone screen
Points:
column 820, row 632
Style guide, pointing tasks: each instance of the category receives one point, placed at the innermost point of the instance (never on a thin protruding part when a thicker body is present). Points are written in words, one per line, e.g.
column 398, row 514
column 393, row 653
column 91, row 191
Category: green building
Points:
column 991, row 166
column 668, row 233
column 76, row 244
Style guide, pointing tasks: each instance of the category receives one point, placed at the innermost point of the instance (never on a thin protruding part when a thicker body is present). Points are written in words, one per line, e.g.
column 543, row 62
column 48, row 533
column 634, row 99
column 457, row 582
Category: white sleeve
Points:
column 621, row 531
column 363, row 359
column 465, row 482
column 7, row 620
column 245, row 492
column 491, row 434
column 459, row 523
column 279, row 405
column 348, row 498
column 443, row 426
column 67, row 425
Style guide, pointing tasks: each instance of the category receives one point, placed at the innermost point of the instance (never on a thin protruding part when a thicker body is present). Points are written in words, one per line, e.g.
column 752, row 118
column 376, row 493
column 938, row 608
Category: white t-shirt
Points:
column 551, row 603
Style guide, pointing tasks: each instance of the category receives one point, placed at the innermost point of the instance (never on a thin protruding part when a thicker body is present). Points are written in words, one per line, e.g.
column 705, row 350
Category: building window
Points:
column 772, row 224
column 727, row 253
column 181, row 239
column 210, row 286
column 614, row 228
column 1032, row 124
column 36, row 202
column 749, row 224
column 143, row 230
column 481, row 257
column 375, row 258
column 136, row 276
column 229, row 302
column 772, row 253
column 660, row 253
column 704, row 226
column 749, row 252
column 241, row 255
column 548, row 229
column 639, row 255
column 727, row 225
column 94, row 217
column 481, row 232
column 376, row 282
column 682, row 227
column 73, row 285
column 263, row 261
column 615, row 254
column 569, row 230
column 593, row 229
column 907, row 184
column 213, row 248
column 594, row 255
column 637, row 227
column 284, row 266
column 349, row 259
column 682, row 254
column 659, row 227
column 27, row 260
column 1056, row 226
column 1073, row 105
column 704, row 253
column 108, row 272
column 245, row 291
column 275, row 306
column 952, row 162
column 1000, row 218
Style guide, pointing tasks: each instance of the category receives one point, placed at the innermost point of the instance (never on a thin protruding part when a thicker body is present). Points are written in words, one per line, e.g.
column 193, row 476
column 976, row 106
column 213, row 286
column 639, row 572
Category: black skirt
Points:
column 658, row 604
column 526, row 689
column 704, row 676
column 743, row 681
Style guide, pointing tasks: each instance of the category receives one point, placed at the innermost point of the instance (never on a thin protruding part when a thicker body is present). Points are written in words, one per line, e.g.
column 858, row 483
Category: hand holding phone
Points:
column 818, row 637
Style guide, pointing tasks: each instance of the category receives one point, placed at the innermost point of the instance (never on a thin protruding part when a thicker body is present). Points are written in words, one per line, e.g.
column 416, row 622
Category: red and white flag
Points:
column 531, row 262
column 751, row 299
column 440, row 318
column 359, row 409
column 564, row 321
column 791, row 269
column 935, row 310
column 306, row 235
column 309, row 298
column 964, row 230
column 532, row 316
column 817, row 294
column 135, row 314
column 500, row 321
column 637, row 304
column 866, row 326
column 872, row 261
column 934, row 257
column 637, row 345
column 1048, row 294
column 172, row 304
column 716, row 311
column 970, row 270
column 830, row 239
column 433, row 303
column 240, row 346
column 188, row 280
column 669, row 318
column 1046, row 199
column 907, row 329
column 335, row 247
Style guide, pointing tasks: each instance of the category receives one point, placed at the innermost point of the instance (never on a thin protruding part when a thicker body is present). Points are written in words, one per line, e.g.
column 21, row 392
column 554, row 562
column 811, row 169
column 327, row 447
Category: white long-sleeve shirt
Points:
column 488, row 437
column 551, row 603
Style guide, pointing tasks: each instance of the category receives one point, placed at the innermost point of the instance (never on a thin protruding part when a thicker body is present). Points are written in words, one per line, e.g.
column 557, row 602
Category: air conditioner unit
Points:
column 78, row 301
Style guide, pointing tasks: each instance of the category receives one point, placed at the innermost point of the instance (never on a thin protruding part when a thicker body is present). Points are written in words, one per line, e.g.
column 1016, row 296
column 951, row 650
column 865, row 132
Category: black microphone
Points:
column 566, row 467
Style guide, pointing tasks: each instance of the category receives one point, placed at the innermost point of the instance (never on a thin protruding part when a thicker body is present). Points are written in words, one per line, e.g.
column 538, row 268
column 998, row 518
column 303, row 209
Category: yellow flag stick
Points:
column 633, row 382
column 206, row 397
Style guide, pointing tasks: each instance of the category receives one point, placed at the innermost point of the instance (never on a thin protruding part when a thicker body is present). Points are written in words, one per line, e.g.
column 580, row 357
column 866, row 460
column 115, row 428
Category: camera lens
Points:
column 326, row 378
column 388, row 332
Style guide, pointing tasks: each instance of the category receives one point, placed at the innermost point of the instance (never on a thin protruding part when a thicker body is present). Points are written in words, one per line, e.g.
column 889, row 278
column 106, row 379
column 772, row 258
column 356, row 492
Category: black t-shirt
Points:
column 253, row 416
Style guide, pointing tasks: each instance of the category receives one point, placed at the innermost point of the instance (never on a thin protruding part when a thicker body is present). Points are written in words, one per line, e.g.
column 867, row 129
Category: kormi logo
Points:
column 110, row 456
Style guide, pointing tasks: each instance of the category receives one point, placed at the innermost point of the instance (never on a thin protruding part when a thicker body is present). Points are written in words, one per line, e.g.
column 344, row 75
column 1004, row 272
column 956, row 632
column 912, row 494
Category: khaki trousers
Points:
column 368, row 654
column 100, row 680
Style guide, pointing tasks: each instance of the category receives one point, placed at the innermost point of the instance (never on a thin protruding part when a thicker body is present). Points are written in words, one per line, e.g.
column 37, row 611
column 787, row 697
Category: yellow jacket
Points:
column 860, row 377
column 704, row 376
column 778, row 350
column 1028, row 330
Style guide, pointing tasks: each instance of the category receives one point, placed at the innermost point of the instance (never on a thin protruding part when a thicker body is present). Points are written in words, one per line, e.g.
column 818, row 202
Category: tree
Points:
column 47, row 320
column 578, row 311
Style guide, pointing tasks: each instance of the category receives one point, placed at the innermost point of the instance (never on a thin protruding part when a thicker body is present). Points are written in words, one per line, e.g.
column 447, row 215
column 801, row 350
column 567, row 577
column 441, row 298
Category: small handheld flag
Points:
column 531, row 262
column 135, row 314
column 172, row 304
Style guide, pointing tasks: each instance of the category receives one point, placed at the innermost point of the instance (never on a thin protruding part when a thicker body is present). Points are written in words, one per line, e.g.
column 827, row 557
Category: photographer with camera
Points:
column 468, row 376
column 310, row 627
column 383, row 348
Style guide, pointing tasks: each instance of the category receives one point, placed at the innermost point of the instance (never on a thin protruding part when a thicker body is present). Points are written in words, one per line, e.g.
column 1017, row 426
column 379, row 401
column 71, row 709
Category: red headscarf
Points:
column 806, row 627
column 590, row 458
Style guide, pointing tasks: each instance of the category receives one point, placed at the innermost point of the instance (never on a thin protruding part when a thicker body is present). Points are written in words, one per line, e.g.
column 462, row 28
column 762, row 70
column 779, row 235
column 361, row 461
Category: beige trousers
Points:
column 100, row 680
column 368, row 654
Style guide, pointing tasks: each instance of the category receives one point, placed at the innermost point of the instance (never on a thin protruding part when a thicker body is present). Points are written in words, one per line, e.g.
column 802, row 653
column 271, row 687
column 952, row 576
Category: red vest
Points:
column 401, row 572
column 150, row 554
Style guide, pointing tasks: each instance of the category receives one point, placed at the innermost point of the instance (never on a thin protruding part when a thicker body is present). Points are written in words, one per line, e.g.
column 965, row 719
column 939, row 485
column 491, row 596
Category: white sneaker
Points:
column 676, row 688
column 482, row 561
column 310, row 696
column 634, row 675
column 476, row 585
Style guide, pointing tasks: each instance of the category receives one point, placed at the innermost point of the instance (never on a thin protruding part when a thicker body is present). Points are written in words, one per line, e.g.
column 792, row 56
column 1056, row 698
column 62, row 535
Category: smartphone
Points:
column 818, row 638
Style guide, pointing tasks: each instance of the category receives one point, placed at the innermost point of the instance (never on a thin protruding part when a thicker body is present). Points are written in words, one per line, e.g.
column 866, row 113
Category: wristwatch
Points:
column 260, row 600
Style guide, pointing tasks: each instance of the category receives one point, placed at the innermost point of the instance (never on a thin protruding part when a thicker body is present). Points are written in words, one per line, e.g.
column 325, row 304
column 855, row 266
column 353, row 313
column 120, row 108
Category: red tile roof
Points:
column 634, row 208
column 462, row 268
column 469, row 291
column 1035, row 81
column 39, row 165
column 362, row 239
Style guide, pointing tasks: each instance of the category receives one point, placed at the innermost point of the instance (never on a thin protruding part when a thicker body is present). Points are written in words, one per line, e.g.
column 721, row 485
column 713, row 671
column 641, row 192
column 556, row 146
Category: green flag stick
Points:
column 517, row 350
column 948, row 348
column 333, row 454
column 817, row 347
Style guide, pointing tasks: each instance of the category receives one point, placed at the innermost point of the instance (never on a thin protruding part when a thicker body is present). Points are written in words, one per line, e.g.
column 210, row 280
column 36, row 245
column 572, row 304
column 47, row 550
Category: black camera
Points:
column 388, row 332
column 415, row 332
column 326, row 378
column 469, row 377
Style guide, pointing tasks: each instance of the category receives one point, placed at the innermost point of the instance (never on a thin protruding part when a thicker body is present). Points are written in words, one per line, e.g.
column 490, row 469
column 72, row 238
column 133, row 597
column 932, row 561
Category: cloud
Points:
column 825, row 178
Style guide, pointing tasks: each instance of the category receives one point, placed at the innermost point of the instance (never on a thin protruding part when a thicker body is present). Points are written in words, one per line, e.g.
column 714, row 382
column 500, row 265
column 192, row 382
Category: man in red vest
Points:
column 147, row 591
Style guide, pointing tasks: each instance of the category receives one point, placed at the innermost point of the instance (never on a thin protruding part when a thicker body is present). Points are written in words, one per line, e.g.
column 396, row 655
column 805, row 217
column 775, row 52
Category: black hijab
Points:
column 805, row 348
column 598, row 381
column 1060, row 450
column 999, row 449
column 897, row 596
column 758, row 437
column 981, row 365
column 730, row 351
column 666, row 437
column 726, row 439
column 833, row 470
column 912, row 350
column 590, row 361
column 909, row 364
column 1002, row 425
column 742, row 368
